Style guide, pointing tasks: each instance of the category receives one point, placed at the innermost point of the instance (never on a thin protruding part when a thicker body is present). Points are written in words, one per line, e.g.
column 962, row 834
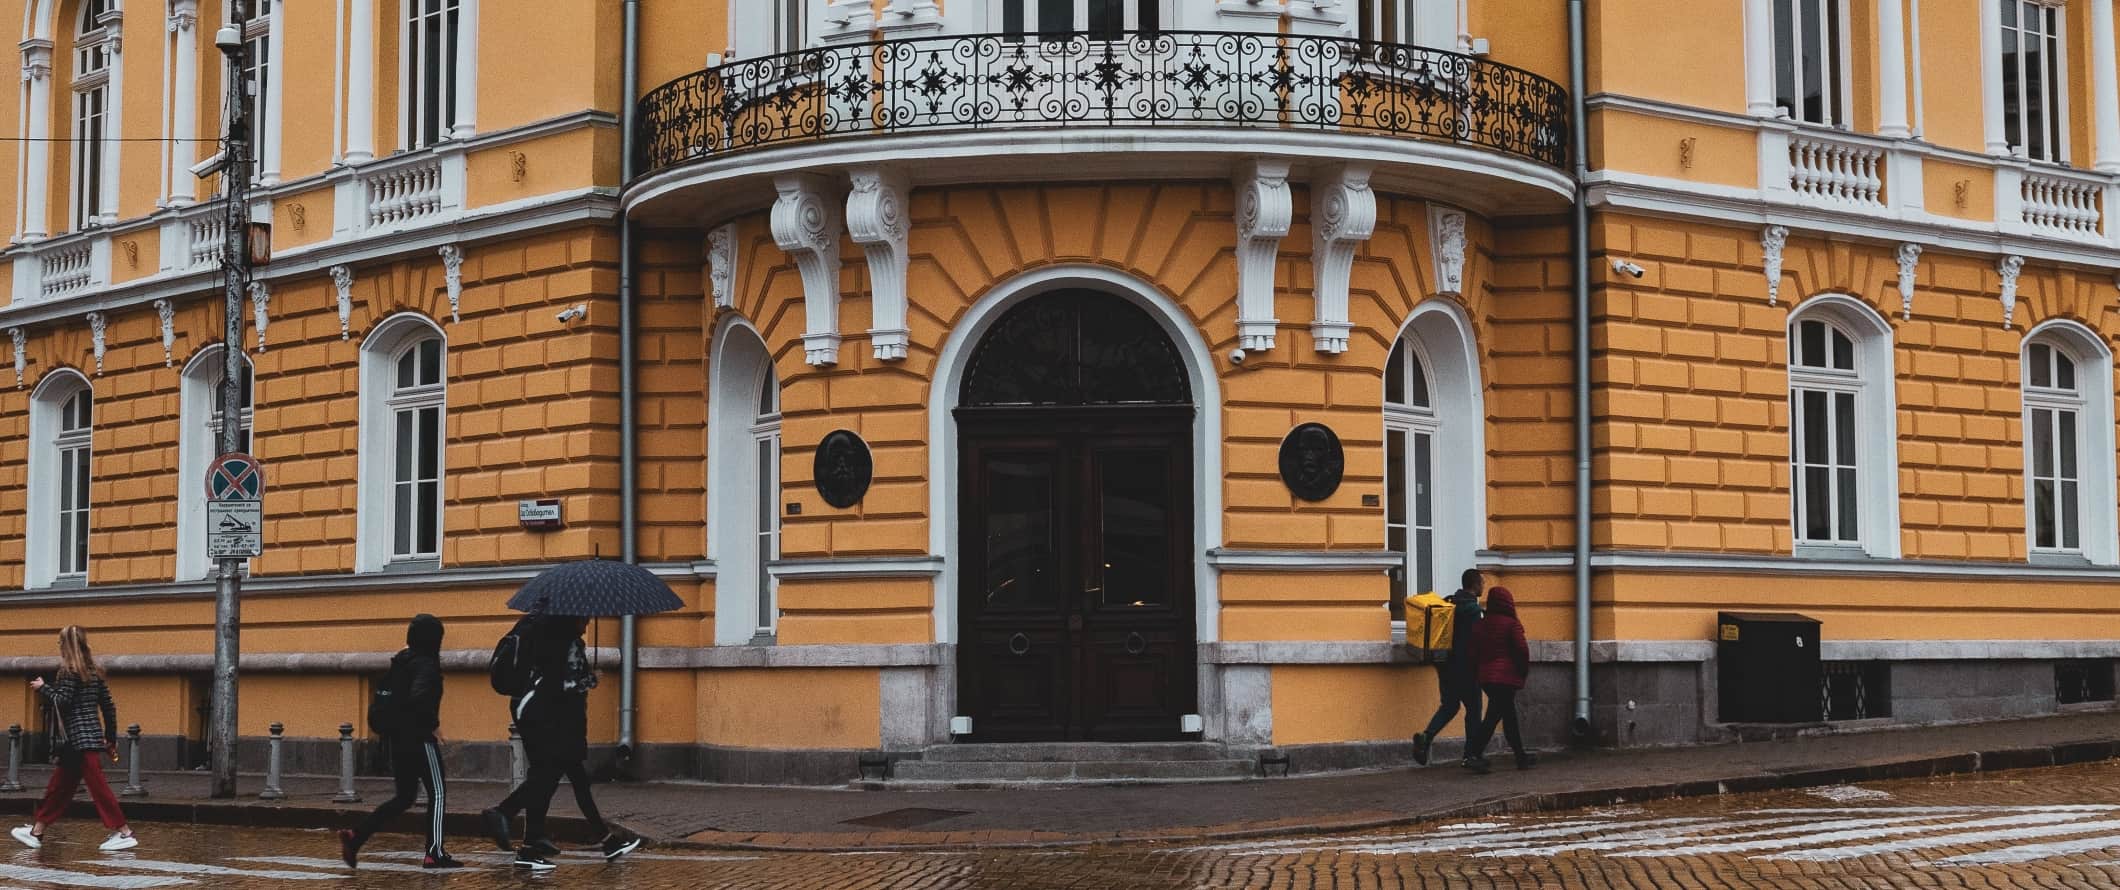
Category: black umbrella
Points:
column 595, row 588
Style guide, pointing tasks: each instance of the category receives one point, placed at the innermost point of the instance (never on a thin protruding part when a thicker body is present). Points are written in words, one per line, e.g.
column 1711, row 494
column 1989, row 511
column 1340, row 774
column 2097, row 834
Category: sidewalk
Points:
column 836, row 819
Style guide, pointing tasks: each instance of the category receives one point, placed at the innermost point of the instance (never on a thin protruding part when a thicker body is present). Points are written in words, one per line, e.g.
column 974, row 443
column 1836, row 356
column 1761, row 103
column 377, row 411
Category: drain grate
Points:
column 906, row 818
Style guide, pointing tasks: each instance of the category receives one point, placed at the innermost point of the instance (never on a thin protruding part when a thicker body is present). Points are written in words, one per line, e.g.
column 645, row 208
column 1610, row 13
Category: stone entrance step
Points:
column 1066, row 752
column 1071, row 763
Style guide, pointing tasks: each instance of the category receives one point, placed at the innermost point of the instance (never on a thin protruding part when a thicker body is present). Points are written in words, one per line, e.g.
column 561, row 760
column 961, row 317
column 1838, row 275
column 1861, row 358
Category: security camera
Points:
column 1629, row 268
column 571, row 313
column 1236, row 357
column 210, row 166
column 228, row 39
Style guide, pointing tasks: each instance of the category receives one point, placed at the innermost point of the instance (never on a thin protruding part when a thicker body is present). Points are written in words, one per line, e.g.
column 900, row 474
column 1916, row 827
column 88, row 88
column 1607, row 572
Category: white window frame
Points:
column 456, row 70
column 2098, row 526
column 266, row 36
column 1435, row 24
column 43, row 564
column 765, row 446
column 1841, row 51
column 1414, row 422
column 1440, row 335
column 1876, row 432
column 2054, row 102
column 94, row 62
column 745, row 591
column 198, row 443
column 381, row 403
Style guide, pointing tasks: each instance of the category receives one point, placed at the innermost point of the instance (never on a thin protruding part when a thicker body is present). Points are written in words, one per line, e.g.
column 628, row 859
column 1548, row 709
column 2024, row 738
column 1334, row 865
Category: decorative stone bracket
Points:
column 342, row 285
column 1343, row 214
column 806, row 224
column 97, row 323
column 1771, row 243
column 876, row 220
column 453, row 278
column 2010, row 267
column 721, row 265
column 1909, row 256
column 1446, row 228
column 21, row 343
column 260, row 302
column 1264, row 214
column 168, row 313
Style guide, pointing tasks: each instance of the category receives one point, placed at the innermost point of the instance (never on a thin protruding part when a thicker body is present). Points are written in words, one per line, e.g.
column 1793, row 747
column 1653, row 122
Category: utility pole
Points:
column 235, row 266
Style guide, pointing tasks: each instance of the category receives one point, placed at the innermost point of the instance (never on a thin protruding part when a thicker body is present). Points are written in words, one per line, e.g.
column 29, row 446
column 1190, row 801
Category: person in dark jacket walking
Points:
column 1455, row 676
column 83, row 720
column 553, row 717
column 415, row 752
column 1504, row 662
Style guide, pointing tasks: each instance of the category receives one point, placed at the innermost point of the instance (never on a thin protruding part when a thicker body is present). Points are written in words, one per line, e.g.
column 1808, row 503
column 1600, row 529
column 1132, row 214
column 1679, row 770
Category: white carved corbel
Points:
column 167, row 311
column 910, row 15
column 1343, row 214
column 1446, row 228
column 721, row 265
column 21, row 341
column 1909, row 255
column 846, row 20
column 876, row 220
column 1265, row 212
column 806, row 224
column 2010, row 268
column 342, row 283
column 260, row 302
column 97, row 323
column 36, row 59
column 1771, row 243
column 453, row 277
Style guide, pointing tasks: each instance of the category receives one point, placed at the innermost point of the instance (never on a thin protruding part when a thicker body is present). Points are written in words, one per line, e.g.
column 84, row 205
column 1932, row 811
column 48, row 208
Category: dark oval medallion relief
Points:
column 844, row 468
column 1311, row 461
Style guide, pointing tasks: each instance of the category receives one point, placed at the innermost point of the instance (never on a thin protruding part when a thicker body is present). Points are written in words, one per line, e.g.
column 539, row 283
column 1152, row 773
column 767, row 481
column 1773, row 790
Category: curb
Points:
column 576, row 830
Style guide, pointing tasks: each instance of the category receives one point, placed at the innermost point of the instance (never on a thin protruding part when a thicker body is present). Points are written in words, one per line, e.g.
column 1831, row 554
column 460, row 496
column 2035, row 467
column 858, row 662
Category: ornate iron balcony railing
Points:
column 1164, row 78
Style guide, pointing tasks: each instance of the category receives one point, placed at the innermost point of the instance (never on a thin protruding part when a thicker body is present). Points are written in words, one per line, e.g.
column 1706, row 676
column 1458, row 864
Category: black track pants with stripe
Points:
column 414, row 762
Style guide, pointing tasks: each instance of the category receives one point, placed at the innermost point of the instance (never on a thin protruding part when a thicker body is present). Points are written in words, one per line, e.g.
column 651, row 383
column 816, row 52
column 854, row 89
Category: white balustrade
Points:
column 2062, row 205
column 1834, row 173
column 206, row 240
column 404, row 195
column 67, row 271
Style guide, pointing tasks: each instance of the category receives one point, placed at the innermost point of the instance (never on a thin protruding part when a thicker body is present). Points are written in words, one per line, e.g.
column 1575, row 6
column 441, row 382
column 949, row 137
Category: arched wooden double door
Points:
column 1076, row 619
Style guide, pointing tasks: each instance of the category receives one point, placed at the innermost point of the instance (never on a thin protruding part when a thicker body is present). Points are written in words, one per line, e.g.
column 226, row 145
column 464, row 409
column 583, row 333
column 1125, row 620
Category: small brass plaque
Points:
column 1729, row 633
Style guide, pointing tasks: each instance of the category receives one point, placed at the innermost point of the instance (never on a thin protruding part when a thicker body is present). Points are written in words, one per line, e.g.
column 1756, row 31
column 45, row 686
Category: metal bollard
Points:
column 518, row 762
column 14, row 758
column 132, row 788
column 346, row 794
column 272, row 766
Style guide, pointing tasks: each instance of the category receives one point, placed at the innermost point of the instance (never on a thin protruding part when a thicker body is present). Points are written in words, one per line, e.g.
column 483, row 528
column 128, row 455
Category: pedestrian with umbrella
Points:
column 543, row 665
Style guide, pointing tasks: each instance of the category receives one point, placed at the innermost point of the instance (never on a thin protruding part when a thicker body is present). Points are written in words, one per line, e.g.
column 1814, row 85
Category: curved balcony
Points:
column 1179, row 94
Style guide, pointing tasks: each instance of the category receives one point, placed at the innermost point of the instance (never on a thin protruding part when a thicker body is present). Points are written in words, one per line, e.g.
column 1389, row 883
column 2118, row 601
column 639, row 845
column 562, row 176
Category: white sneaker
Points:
column 29, row 840
column 118, row 841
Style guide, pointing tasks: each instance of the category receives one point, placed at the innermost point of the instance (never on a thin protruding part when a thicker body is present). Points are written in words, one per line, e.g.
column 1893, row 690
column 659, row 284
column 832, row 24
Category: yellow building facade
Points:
column 1105, row 371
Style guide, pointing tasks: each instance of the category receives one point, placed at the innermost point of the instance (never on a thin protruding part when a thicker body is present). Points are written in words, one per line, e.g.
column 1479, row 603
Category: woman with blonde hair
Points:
column 83, row 720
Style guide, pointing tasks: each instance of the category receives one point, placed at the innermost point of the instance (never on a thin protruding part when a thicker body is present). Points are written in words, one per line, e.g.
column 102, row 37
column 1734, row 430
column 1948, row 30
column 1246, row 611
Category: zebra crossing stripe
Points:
column 195, row 868
column 1424, row 844
column 77, row 879
column 331, row 864
column 1861, row 834
column 1272, row 848
column 1948, row 840
column 2031, row 852
column 1887, row 811
column 1694, row 833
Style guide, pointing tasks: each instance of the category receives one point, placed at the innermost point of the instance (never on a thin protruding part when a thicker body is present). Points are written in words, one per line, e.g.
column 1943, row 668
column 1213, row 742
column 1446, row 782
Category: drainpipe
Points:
column 1578, row 81
column 628, row 423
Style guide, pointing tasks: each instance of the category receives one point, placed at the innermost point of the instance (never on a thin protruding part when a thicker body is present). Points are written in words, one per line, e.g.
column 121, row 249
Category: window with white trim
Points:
column 1410, row 428
column 2054, row 446
column 1823, row 389
column 257, row 34
column 1099, row 19
column 1430, row 23
column 1811, row 81
column 429, row 82
column 92, row 60
column 76, row 423
column 404, row 383
column 2034, row 85
column 765, row 447
column 61, row 426
column 198, row 443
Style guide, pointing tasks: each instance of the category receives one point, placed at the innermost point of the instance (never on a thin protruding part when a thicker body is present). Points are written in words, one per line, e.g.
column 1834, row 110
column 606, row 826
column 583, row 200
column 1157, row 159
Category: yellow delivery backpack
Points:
column 1430, row 619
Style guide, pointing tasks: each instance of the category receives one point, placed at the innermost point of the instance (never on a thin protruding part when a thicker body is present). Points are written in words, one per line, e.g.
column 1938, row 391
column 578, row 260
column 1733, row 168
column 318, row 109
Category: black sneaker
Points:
column 497, row 829
column 1421, row 743
column 528, row 858
column 349, row 847
column 1526, row 760
column 1478, row 765
column 542, row 846
column 440, row 860
column 615, row 846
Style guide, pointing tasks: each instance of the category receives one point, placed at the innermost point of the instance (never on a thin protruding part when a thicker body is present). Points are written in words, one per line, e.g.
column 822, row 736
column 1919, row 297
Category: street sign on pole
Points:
column 235, row 529
column 235, row 477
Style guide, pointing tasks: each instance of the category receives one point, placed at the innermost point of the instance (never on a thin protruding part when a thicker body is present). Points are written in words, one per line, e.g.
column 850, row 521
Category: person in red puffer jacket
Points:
column 1503, row 660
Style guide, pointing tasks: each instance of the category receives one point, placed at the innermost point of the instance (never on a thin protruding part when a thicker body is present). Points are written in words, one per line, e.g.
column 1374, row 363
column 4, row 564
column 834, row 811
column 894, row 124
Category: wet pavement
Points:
column 2057, row 827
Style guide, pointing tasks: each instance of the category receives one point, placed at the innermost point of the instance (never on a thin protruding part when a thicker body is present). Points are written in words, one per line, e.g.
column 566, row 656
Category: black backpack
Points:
column 386, row 704
column 510, row 668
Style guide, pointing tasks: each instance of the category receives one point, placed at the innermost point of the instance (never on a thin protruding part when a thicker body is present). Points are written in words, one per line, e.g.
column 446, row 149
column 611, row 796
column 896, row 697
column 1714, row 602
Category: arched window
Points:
column 62, row 416
column 94, row 52
column 1843, row 467
column 432, row 46
column 2068, row 460
column 403, row 386
column 198, row 443
column 1434, row 454
column 744, row 485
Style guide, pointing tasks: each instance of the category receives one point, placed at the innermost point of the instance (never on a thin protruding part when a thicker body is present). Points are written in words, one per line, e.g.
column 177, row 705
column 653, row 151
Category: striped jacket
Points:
column 84, row 709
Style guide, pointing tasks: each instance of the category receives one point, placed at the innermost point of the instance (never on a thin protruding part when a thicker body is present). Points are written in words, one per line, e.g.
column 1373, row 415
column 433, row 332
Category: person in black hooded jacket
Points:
column 415, row 753
column 553, row 717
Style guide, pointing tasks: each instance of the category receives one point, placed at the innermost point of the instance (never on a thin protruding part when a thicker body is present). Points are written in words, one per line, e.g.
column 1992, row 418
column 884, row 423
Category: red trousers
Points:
column 61, row 792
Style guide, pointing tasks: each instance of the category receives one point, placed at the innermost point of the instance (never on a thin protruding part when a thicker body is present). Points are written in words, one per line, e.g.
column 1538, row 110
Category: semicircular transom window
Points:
column 1076, row 348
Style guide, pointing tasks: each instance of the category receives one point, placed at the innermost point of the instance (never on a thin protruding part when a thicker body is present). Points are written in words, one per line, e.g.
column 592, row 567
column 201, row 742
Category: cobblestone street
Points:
column 2037, row 828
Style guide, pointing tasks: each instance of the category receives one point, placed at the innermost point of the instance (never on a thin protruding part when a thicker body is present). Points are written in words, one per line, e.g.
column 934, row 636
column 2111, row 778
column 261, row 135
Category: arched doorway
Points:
column 1076, row 616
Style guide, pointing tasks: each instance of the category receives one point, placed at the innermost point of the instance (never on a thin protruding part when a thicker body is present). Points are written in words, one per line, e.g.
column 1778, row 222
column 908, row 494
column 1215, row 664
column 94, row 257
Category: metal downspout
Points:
column 1578, row 82
column 628, row 422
